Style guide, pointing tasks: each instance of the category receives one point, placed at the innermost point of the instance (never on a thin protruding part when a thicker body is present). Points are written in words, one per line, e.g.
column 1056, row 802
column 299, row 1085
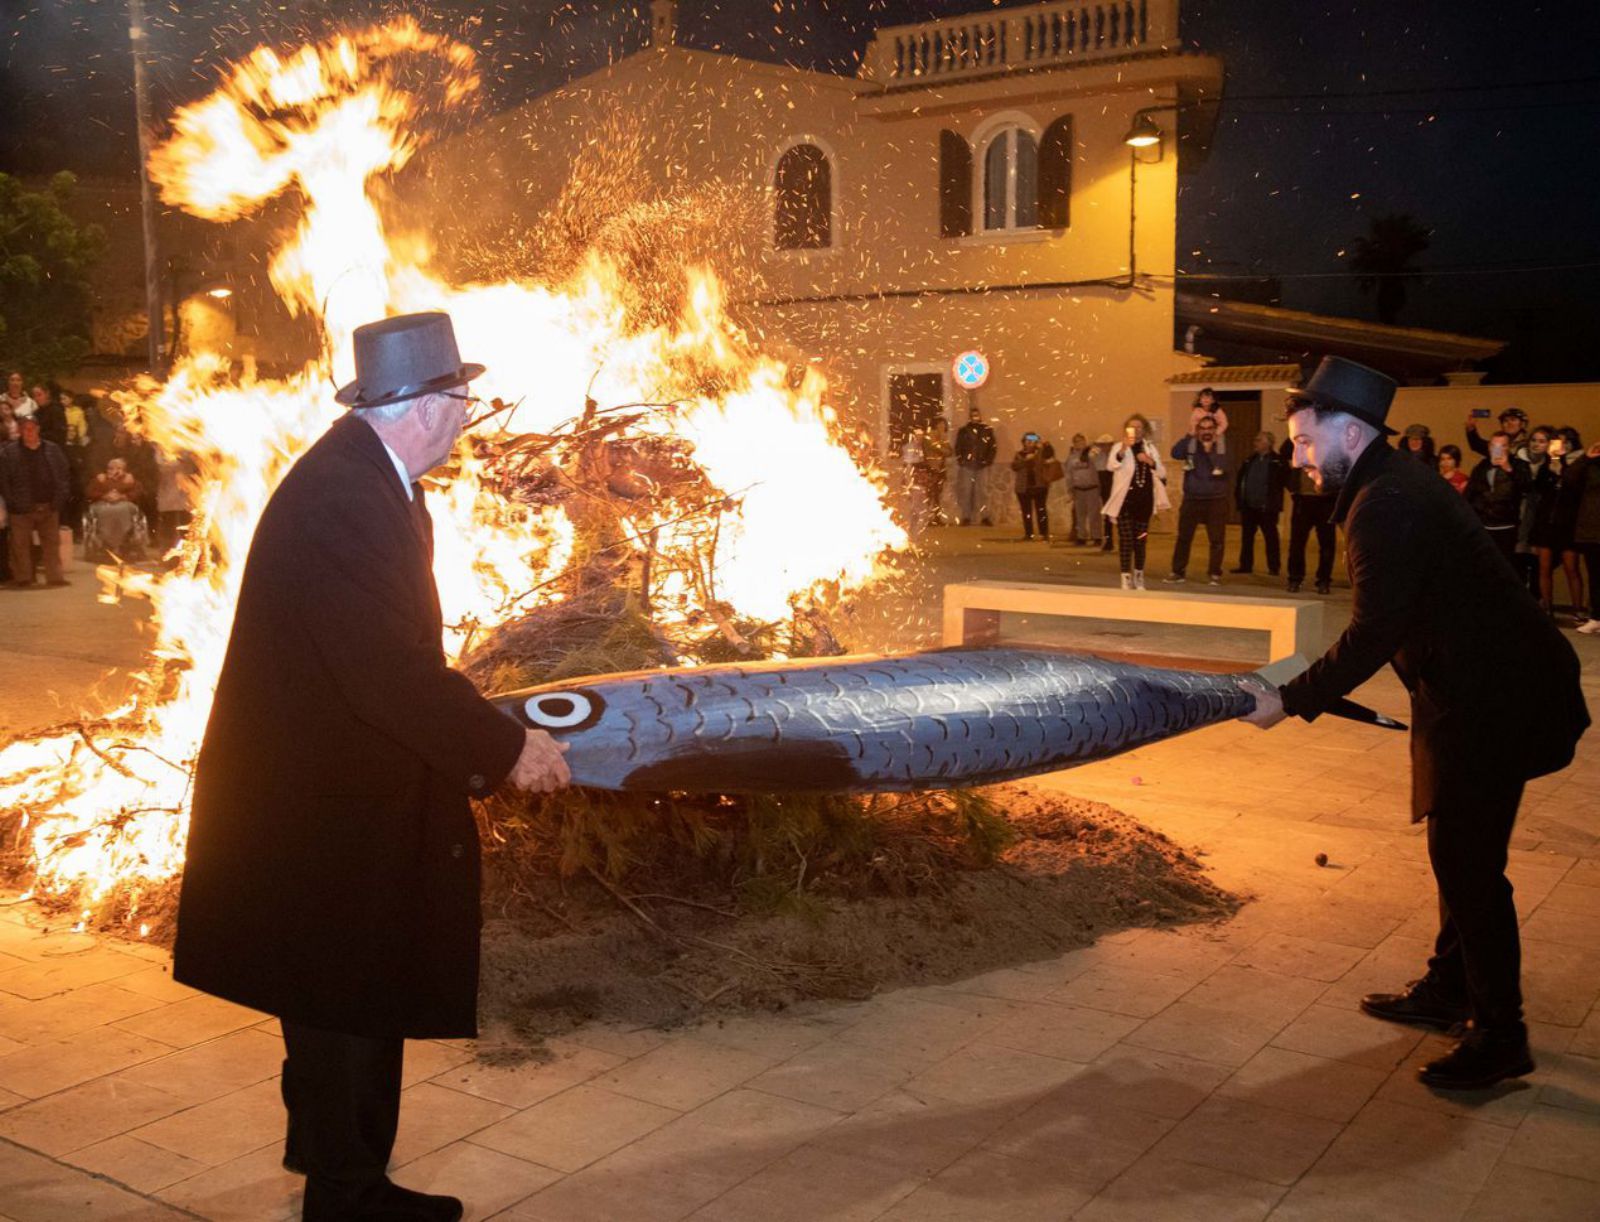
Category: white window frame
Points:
column 886, row 374
column 980, row 141
column 991, row 129
column 835, row 228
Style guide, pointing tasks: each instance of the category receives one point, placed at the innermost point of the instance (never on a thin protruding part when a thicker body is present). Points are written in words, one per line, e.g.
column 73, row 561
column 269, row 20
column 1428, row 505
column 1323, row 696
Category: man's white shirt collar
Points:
column 400, row 469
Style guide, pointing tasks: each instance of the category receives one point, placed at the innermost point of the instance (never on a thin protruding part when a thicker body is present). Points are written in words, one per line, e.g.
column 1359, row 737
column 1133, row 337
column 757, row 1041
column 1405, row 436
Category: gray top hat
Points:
column 1349, row 386
column 404, row 357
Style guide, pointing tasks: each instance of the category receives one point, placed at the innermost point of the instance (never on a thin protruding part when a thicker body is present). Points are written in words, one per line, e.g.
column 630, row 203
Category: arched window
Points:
column 803, row 200
column 1011, row 180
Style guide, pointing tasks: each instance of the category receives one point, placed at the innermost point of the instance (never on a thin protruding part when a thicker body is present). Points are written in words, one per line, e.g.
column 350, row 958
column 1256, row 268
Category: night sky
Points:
column 1478, row 119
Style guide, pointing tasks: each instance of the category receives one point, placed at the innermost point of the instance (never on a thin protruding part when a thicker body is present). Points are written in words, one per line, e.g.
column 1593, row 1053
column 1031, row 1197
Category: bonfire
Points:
column 654, row 489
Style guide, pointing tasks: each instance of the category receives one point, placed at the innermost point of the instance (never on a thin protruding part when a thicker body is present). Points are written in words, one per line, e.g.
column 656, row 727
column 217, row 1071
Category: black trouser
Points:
column 1505, row 538
column 1478, row 954
column 1133, row 533
column 1591, row 559
column 1105, row 499
column 1250, row 521
column 1213, row 512
column 1033, row 506
column 342, row 1093
column 1311, row 513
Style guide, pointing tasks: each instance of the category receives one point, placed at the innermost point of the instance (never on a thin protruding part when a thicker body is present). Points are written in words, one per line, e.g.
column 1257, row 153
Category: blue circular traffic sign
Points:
column 971, row 369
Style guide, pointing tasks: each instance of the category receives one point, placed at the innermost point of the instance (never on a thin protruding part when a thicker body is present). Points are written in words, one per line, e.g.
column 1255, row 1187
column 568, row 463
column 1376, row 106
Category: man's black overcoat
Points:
column 332, row 867
column 1494, row 685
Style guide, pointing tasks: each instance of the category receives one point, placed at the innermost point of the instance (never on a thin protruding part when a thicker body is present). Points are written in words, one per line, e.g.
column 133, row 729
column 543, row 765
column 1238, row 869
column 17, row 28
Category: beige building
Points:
column 971, row 188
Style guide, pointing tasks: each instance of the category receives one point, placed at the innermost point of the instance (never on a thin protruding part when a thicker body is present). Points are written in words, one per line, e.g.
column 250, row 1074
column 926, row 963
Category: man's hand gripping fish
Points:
column 932, row 720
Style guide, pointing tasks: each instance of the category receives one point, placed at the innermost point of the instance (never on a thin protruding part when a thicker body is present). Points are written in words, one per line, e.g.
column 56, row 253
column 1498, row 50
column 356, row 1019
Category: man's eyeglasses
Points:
column 472, row 401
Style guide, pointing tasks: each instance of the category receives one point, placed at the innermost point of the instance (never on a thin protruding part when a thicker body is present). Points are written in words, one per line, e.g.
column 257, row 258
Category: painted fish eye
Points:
column 569, row 710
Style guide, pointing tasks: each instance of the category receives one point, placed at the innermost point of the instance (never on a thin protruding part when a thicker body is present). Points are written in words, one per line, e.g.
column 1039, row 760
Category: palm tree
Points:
column 1383, row 260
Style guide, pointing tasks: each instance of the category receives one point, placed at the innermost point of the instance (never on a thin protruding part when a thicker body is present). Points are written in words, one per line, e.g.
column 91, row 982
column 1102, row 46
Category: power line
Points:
column 1414, row 91
column 1390, row 111
column 1418, row 273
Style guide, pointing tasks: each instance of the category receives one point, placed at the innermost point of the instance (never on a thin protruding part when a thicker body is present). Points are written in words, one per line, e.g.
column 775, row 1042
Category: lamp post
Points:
column 147, row 203
column 1142, row 135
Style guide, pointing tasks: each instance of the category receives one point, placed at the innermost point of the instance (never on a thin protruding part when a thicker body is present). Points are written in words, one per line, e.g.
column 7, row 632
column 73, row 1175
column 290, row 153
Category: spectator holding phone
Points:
column 1035, row 468
column 1513, row 423
column 1495, row 491
column 1138, row 492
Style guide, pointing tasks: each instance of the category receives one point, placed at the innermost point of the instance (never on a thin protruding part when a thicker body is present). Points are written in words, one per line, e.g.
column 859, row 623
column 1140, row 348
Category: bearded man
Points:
column 332, row 868
column 1495, row 702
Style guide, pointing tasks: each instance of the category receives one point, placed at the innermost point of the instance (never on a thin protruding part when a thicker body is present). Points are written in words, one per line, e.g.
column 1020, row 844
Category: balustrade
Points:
column 1034, row 36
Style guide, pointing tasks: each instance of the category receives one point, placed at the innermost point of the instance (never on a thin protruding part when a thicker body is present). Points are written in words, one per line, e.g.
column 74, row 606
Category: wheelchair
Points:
column 135, row 547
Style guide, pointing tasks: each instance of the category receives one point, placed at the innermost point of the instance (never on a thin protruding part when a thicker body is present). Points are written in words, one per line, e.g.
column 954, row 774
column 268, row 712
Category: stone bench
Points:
column 972, row 611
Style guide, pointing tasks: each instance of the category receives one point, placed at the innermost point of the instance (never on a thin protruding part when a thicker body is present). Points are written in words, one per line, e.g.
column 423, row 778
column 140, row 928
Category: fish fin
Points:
column 750, row 768
column 1280, row 672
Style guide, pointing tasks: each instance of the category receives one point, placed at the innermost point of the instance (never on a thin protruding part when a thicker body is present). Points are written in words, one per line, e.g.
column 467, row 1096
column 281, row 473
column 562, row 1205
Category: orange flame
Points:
column 106, row 805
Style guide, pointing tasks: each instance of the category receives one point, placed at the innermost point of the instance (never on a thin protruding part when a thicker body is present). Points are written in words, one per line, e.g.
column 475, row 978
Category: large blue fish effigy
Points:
column 949, row 717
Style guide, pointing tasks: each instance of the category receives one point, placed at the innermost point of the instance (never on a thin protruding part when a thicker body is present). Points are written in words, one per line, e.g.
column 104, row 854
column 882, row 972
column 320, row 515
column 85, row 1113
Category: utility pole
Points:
column 147, row 202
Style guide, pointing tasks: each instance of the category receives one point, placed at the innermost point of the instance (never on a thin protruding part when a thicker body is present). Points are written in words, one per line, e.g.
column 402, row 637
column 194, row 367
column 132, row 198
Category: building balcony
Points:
column 1019, row 39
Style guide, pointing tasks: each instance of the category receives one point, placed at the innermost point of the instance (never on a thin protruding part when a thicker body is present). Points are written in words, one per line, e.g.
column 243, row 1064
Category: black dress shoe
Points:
column 1324, row 588
column 1422, row 1004
column 387, row 1202
column 1293, row 586
column 1482, row 1058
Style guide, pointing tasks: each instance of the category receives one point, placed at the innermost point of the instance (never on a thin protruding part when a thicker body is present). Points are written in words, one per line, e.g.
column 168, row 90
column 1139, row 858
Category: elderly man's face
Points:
column 449, row 412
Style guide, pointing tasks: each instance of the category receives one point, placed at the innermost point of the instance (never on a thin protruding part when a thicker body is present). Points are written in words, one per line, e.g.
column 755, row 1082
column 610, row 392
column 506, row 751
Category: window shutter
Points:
column 955, row 186
column 1055, row 175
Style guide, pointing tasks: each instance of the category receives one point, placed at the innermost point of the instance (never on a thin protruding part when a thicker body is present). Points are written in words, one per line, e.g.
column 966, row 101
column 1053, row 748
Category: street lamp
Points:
column 1143, row 133
column 1142, row 136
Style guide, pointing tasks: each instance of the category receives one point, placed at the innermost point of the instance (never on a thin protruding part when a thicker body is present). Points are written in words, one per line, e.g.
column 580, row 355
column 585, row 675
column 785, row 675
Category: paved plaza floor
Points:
column 1219, row 1071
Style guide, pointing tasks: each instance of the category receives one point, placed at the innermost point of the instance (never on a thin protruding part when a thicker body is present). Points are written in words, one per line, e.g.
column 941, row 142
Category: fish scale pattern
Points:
column 919, row 721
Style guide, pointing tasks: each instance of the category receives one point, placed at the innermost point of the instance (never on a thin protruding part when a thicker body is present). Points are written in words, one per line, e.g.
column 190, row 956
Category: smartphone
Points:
column 1480, row 413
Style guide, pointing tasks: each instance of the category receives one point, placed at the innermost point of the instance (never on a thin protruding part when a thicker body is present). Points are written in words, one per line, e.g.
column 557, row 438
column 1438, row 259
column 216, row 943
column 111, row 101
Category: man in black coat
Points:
column 35, row 482
column 1258, row 494
column 1496, row 489
column 1495, row 702
column 331, row 875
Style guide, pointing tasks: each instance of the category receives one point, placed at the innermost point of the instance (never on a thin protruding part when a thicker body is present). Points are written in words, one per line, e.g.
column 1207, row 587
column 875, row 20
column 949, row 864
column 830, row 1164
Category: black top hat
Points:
column 404, row 357
column 1349, row 386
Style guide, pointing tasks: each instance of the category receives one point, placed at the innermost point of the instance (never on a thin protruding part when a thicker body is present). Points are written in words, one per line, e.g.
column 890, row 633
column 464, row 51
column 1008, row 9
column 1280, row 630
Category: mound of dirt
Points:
column 1075, row 871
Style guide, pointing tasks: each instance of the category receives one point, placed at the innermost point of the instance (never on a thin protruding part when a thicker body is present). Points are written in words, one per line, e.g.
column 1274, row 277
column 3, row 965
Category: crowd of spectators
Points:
column 1536, row 491
column 71, row 474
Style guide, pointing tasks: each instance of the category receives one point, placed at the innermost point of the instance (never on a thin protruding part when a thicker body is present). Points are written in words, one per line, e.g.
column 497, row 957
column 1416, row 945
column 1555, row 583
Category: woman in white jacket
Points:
column 1138, row 492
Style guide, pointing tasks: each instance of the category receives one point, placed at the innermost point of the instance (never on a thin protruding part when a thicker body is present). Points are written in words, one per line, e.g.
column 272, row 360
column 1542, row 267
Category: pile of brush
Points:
column 637, row 596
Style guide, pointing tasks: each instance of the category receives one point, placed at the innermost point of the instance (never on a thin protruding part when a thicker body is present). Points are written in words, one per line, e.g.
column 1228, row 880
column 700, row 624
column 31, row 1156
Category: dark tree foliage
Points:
column 1382, row 258
column 45, row 259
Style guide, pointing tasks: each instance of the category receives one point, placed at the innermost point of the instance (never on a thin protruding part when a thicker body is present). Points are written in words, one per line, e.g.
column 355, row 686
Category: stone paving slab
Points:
column 1216, row 1071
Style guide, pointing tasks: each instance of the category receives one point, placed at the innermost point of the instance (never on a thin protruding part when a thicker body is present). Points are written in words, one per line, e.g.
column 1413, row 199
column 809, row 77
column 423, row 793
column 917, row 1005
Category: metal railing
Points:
column 1035, row 36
